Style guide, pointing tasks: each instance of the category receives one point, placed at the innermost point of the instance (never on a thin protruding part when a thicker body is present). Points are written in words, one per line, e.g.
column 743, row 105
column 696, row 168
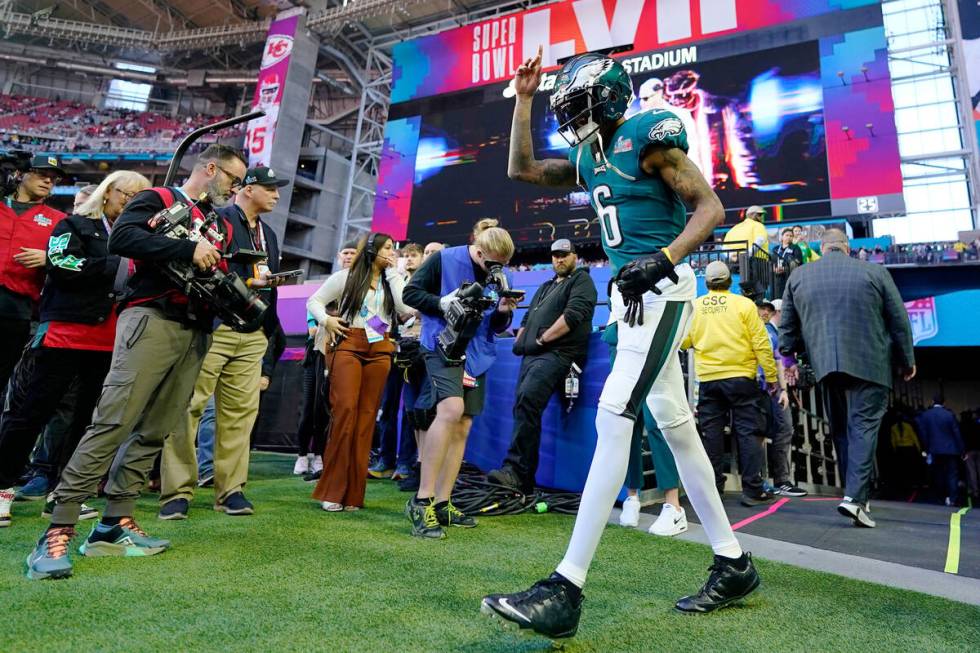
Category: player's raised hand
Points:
column 528, row 76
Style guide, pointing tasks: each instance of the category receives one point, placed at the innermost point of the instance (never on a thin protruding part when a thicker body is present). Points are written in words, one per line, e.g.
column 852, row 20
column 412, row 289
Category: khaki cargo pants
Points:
column 155, row 362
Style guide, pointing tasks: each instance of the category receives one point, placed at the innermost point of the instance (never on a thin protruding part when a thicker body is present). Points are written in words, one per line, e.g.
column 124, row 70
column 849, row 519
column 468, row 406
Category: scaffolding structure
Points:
column 365, row 157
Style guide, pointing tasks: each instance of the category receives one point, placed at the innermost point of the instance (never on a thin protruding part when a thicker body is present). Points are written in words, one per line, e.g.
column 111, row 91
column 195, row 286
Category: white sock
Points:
column 698, row 479
column 606, row 476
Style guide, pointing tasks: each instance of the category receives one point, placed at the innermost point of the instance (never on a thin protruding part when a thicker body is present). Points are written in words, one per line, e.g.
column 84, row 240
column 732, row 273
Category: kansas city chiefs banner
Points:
column 268, row 91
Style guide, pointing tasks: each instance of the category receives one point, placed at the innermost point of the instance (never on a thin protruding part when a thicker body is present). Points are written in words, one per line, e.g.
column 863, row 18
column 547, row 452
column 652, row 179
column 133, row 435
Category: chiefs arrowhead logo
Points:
column 277, row 48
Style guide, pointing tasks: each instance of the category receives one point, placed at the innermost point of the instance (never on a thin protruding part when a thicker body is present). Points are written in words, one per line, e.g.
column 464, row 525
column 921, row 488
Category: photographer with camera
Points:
column 553, row 335
column 26, row 223
column 360, row 349
column 162, row 337
column 233, row 367
column 73, row 343
column 449, row 291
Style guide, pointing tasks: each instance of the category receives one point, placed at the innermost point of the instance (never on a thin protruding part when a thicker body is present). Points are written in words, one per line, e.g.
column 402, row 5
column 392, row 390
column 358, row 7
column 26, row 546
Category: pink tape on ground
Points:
column 748, row 520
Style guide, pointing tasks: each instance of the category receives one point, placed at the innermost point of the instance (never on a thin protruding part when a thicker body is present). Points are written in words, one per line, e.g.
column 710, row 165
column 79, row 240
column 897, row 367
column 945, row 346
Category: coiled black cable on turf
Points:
column 476, row 495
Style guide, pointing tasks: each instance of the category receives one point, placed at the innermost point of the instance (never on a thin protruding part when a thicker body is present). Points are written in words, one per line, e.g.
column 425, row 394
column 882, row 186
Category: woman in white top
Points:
column 359, row 350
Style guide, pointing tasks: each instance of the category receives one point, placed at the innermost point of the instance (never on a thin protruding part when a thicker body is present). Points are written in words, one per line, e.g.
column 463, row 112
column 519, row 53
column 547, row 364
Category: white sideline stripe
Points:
column 880, row 572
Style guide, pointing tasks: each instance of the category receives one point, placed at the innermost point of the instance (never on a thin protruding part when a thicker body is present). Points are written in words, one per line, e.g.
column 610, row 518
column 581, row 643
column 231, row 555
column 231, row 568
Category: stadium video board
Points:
column 764, row 110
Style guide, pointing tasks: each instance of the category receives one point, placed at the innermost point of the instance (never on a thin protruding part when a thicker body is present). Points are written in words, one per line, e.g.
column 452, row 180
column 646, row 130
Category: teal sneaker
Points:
column 125, row 539
column 50, row 559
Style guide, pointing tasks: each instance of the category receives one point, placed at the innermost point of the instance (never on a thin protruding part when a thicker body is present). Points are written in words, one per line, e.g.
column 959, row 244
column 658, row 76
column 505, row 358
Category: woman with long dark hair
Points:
column 360, row 348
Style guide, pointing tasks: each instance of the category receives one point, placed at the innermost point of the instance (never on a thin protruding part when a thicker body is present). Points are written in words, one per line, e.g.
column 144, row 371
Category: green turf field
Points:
column 294, row 578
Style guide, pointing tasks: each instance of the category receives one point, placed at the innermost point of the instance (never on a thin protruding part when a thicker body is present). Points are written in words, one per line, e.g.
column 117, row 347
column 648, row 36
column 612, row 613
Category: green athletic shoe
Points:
column 125, row 539
column 50, row 558
column 450, row 515
column 425, row 523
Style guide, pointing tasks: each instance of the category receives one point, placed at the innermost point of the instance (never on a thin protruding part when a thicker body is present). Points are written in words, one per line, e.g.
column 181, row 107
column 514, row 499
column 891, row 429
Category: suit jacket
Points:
column 849, row 317
column 939, row 431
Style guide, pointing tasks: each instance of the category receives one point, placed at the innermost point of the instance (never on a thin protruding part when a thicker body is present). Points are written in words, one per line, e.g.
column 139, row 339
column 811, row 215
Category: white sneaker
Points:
column 630, row 516
column 87, row 512
column 302, row 465
column 860, row 514
column 317, row 464
column 672, row 521
column 6, row 498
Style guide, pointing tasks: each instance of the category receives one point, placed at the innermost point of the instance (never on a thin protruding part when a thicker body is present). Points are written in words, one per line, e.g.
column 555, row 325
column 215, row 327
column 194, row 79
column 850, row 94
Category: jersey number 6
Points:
column 608, row 216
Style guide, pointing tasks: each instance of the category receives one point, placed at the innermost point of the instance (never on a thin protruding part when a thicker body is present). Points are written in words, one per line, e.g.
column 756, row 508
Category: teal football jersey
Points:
column 637, row 217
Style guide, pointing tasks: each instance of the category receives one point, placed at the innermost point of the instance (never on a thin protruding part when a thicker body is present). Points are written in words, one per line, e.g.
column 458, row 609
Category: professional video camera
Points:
column 466, row 311
column 12, row 165
column 235, row 304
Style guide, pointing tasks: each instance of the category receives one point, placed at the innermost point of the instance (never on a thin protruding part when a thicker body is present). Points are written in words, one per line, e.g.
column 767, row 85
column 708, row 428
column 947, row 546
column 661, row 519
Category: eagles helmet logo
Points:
column 666, row 128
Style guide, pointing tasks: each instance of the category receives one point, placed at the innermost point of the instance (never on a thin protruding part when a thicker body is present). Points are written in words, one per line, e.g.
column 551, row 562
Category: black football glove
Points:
column 639, row 276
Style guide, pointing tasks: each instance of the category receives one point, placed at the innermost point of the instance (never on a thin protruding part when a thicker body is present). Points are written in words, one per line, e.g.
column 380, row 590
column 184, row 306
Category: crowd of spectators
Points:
column 933, row 253
column 67, row 126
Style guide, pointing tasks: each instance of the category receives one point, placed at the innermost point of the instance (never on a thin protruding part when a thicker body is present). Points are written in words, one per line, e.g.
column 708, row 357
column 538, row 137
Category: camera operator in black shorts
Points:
column 454, row 389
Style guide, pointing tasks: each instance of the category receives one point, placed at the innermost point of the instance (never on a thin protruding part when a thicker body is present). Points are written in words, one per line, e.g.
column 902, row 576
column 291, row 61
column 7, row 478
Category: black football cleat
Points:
column 546, row 608
column 730, row 581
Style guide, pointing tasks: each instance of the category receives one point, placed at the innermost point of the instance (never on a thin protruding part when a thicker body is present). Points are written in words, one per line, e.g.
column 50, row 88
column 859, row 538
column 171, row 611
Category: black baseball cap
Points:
column 45, row 162
column 263, row 176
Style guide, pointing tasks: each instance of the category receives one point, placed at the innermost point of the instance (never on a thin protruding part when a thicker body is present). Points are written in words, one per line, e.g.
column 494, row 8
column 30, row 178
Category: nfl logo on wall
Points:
column 922, row 315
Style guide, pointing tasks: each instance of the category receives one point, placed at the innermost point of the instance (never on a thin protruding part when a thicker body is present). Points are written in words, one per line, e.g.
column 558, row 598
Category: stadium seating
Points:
column 64, row 126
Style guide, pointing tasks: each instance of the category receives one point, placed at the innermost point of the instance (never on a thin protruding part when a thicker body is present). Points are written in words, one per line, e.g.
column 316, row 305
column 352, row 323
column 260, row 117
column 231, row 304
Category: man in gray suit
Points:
column 848, row 316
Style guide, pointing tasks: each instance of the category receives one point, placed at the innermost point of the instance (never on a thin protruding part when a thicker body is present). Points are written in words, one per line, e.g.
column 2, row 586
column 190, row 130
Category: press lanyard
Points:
column 106, row 224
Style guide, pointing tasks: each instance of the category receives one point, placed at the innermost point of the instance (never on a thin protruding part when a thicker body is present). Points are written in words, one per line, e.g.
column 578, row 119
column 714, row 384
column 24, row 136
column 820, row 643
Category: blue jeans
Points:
column 205, row 441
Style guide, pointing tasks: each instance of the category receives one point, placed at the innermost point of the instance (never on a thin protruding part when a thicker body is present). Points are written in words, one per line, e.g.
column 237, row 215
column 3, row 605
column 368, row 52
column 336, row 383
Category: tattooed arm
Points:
column 522, row 165
column 680, row 174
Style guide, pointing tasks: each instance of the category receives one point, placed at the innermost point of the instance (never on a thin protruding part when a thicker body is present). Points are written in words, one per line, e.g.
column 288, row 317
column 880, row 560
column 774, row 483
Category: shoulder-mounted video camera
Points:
column 235, row 304
column 226, row 294
column 12, row 165
column 466, row 311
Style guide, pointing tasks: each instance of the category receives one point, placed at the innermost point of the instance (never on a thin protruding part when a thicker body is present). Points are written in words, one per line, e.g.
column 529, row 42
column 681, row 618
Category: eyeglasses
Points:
column 126, row 196
column 236, row 182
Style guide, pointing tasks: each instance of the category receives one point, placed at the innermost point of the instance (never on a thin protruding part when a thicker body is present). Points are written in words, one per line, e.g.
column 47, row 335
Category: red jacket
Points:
column 30, row 229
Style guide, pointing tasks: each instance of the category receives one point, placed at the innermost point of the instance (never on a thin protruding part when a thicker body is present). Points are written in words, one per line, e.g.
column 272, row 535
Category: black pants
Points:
column 946, row 476
column 736, row 401
column 44, row 458
column 388, row 422
column 311, row 434
column 48, row 378
column 540, row 376
column 14, row 335
column 854, row 411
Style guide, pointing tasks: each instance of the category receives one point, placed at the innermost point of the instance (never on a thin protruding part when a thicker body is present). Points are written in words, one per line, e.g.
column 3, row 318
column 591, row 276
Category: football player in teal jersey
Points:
column 638, row 177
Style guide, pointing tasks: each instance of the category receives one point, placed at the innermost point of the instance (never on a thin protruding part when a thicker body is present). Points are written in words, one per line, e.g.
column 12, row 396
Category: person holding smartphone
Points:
column 455, row 393
column 232, row 369
column 360, row 348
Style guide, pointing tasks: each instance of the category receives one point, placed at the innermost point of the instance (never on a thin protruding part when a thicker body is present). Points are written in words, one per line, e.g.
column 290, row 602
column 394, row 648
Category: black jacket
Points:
column 575, row 298
column 133, row 238
column 81, row 273
column 242, row 238
column 273, row 351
